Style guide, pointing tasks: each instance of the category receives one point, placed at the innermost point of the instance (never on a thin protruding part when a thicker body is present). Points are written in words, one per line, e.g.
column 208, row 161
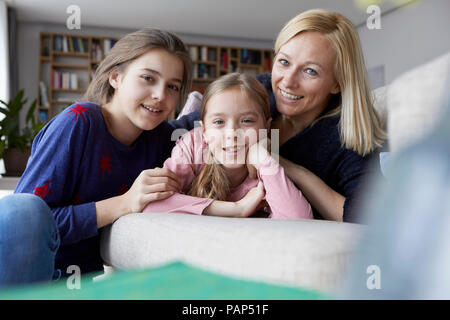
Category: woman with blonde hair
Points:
column 321, row 104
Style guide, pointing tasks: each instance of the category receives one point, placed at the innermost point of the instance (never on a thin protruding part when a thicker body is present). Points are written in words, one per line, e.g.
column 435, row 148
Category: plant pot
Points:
column 15, row 161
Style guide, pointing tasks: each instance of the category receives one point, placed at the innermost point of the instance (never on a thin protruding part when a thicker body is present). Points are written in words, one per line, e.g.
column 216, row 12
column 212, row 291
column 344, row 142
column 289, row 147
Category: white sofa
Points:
column 309, row 254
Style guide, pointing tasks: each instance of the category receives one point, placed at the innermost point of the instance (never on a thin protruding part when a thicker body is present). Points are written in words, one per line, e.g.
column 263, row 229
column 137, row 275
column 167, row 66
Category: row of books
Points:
column 203, row 53
column 204, row 71
column 108, row 44
column 96, row 51
column 250, row 56
column 70, row 44
column 64, row 80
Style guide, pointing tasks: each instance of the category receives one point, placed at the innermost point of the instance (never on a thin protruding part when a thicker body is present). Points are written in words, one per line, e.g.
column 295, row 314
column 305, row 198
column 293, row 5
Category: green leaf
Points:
column 30, row 114
column 10, row 134
column 2, row 148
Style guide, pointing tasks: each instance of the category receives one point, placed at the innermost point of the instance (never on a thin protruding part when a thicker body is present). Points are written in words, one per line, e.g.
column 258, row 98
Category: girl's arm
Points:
column 187, row 159
column 284, row 199
column 151, row 185
column 327, row 202
column 180, row 203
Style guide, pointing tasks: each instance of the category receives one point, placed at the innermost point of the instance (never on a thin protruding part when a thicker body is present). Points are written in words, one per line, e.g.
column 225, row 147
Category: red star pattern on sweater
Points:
column 123, row 189
column 78, row 110
column 105, row 164
column 77, row 199
column 42, row 191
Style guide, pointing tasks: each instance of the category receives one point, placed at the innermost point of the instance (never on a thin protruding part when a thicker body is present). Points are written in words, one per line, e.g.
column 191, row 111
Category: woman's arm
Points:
column 327, row 202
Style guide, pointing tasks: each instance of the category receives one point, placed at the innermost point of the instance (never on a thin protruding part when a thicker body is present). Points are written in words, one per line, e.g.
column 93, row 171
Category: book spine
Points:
column 44, row 97
column 204, row 54
column 193, row 52
column 74, row 81
column 65, row 45
column 75, row 44
column 80, row 45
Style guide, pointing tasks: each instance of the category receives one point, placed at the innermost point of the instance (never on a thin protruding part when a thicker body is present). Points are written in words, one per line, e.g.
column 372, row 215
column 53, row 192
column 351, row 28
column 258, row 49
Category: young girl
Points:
column 90, row 164
column 211, row 162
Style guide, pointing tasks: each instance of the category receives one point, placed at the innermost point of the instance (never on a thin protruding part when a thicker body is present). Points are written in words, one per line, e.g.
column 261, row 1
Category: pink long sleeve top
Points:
column 188, row 158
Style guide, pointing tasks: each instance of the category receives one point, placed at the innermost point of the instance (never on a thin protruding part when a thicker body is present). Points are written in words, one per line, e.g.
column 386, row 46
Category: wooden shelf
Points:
column 66, row 56
column 69, row 66
column 204, row 79
column 68, row 90
column 210, row 60
column 62, row 102
column 213, row 63
column 246, row 65
column 70, row 54
column 56, row 58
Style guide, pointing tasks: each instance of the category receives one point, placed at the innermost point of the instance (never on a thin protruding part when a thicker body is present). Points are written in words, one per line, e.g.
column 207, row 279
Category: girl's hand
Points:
column 257, row 153
column 252, row 201
column 150, row 185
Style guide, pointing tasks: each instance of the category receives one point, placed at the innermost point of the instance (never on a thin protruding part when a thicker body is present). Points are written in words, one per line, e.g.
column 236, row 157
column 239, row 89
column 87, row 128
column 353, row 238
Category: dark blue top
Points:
column 75, row 162
column 318, row 148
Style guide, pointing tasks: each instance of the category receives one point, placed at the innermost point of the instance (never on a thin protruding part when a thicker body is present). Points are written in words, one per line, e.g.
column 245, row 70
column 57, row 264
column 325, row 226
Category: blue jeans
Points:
column 29, row 240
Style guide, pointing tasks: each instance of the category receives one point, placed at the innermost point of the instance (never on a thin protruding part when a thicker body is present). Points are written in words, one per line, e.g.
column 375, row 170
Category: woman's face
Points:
column 303, row 76
column 231, row 124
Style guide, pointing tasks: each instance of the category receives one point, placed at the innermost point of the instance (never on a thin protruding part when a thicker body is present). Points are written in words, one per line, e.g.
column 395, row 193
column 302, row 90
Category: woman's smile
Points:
column 289, row 95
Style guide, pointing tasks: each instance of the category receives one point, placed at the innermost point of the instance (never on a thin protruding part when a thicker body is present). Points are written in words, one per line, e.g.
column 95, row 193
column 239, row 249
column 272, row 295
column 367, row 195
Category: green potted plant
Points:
column 15, row 144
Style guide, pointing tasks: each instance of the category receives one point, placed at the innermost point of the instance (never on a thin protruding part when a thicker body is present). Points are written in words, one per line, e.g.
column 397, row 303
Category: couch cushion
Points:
column 414, row 102
column 379, row 98
column 312, row 254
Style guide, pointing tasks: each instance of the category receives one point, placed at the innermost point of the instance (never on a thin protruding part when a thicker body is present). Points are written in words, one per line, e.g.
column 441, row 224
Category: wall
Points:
column 409, row 36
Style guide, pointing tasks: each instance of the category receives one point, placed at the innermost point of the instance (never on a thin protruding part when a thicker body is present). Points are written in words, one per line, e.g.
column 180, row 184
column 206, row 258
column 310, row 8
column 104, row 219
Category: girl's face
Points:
column 303, row 76
column 149, row 89
column 231, row 125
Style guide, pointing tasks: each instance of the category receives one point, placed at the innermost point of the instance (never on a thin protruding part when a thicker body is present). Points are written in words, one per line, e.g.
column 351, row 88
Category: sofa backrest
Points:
column 414, row 102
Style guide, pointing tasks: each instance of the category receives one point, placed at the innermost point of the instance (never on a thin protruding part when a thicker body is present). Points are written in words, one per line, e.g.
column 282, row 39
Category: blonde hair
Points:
column 360, row 126
column 212, row 181
column 130, row 48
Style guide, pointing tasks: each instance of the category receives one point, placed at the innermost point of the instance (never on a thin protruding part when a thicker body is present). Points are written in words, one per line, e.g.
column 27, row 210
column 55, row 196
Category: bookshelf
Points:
column 211, row 62
column 67, row 64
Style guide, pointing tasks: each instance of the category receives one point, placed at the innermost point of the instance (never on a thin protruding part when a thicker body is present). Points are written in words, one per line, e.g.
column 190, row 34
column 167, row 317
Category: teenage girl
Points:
column 211, row 161
column 96, row 161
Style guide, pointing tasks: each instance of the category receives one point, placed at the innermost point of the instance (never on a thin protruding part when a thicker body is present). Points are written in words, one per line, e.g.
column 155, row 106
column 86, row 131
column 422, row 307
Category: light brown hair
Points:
column 130, row 48
column 212, row 181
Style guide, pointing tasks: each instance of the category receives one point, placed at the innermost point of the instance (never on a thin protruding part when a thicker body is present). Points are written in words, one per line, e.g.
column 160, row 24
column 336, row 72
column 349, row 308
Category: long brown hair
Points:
column 212, row 181
column 130, row 48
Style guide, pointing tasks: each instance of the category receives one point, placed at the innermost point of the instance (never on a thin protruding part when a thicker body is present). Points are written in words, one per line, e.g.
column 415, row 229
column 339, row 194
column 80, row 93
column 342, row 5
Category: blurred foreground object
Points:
column 405, row 252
